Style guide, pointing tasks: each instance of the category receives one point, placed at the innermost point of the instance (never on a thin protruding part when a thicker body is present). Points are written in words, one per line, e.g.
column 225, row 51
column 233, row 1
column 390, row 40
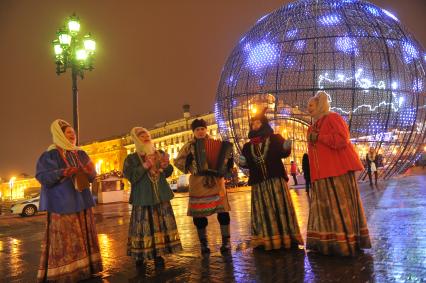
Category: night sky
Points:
column 152, row 57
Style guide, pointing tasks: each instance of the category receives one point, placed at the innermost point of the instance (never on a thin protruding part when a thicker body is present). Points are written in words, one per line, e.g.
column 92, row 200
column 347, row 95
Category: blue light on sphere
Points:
column 372, row 68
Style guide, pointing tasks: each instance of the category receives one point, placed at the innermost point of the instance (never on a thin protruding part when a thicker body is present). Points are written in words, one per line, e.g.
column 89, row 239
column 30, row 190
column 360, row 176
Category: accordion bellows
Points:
column 211, row 157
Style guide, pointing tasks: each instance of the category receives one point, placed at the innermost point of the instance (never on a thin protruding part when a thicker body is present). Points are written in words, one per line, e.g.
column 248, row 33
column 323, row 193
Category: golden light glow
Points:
column 12, row 181
column 15, row 256
column 106, row 249
column 98, row 166
column 424, row 148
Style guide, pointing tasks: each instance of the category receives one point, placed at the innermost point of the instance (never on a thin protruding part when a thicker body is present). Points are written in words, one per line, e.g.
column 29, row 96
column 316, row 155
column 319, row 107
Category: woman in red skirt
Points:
column 70, row 249
column 337, row 223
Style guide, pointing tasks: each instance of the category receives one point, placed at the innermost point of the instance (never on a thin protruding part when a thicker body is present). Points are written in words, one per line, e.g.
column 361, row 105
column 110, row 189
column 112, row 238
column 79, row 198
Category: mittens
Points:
column 69, row 171
column 313, row 137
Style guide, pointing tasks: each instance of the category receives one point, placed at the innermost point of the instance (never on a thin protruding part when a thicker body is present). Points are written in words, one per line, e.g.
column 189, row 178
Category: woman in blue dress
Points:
column 70, row 249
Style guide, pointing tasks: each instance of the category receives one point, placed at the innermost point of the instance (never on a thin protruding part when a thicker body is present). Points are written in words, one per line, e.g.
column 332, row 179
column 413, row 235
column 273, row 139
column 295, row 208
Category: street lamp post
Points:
column 74, row 51
column 11, row 183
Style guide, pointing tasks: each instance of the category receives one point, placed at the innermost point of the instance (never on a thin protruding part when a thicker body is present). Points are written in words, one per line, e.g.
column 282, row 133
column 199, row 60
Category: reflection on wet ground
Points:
column 396, row 213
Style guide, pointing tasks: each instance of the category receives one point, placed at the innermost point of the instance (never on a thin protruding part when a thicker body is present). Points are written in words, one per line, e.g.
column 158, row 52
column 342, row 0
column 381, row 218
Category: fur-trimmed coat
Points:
column 274, row 165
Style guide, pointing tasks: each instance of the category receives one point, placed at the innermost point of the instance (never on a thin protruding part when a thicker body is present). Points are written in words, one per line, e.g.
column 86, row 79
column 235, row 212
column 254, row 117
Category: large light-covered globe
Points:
column 372, row 68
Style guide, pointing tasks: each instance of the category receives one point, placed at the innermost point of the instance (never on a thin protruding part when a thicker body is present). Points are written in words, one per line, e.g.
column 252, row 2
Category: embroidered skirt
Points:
column 152, row 232
column 70, row 249
column 273, row 219
column 205, row 201
column 337, row 223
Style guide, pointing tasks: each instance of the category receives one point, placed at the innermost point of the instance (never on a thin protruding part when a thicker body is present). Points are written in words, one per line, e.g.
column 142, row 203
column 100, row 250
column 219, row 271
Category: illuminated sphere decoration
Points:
column 372, row 68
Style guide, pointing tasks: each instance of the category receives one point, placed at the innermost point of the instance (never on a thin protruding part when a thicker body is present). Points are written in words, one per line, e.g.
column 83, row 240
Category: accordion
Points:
column 213, row 157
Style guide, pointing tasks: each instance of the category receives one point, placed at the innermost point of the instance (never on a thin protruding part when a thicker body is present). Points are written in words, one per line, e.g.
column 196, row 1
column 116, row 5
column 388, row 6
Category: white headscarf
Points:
column 141, row 148
column 323, row 104
column 59, row 138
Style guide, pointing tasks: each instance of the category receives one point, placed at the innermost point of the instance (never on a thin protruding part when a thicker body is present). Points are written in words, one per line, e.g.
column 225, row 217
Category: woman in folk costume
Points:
column 273, row 219
column 152, row 229
column 372, row 163
column 70, row 249
column 207, row 194
column 337, row 224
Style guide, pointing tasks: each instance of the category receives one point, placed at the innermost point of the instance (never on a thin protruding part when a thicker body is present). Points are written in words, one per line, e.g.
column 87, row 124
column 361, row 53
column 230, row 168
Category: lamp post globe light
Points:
column 73, row 51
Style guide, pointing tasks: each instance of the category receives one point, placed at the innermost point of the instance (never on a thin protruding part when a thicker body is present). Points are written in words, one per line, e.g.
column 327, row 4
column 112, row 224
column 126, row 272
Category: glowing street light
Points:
column 11, row 183
column 74, row 51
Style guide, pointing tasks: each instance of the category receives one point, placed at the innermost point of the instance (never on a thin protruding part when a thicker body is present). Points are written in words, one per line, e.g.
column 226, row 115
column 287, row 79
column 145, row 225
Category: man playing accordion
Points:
column 207, row 160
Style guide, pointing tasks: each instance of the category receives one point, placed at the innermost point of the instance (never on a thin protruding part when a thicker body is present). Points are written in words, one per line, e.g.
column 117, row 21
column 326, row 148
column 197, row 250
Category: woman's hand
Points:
column 313, row 137
column 165, row 161
column 148, row 164
column 70, row 171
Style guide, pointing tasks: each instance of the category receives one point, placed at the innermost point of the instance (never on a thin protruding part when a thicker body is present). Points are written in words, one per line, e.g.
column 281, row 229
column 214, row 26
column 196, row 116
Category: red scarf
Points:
column 258, row 139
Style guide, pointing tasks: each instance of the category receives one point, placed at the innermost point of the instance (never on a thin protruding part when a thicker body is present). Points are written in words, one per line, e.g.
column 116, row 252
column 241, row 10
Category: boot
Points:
column 202, row 236
column 159, row 261
column 226, row 239
column 140, row 262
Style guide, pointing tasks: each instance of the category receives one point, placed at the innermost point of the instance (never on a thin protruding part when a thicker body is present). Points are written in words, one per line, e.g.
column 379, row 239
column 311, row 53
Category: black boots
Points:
column 202, row 236
column 226, row 239
column 139, row 262
column 159, row 261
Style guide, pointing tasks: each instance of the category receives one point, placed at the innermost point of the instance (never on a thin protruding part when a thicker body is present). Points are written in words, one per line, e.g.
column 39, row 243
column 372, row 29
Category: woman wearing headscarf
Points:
column 152, row 229
column 337, row 223
column 70, row 249
column 273, row 219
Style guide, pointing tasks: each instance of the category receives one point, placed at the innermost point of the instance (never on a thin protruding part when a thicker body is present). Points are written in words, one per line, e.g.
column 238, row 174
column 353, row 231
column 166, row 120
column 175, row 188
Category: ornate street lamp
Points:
column 74, row 51
column 11, row 183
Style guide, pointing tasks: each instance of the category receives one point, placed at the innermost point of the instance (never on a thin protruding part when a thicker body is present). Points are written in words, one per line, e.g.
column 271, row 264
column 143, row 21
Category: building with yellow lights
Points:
column 18, row 188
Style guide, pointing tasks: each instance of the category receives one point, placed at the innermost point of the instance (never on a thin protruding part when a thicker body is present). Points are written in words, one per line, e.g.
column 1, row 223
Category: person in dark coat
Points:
column 273, row 218
column 306, row 172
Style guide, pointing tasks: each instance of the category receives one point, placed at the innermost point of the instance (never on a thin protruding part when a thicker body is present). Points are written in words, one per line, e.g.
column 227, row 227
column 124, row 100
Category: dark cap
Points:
column 198, row 123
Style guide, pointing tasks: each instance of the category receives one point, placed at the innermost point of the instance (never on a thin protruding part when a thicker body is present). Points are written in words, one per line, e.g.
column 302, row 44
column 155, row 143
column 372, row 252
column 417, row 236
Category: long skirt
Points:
column 205, row 201
column 152, row 232
column 70, row 249
column 273, row 219
column 337, row 223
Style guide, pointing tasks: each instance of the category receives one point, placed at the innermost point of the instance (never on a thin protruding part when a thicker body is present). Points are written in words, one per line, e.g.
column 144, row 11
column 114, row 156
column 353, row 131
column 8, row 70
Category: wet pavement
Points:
column 396, row 213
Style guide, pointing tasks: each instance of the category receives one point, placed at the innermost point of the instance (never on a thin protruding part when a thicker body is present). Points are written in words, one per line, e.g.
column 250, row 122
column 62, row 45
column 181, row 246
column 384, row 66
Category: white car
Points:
column 26, row 207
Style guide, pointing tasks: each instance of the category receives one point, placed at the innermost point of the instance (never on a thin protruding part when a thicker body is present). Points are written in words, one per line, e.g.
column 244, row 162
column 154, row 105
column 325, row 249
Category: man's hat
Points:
column 198, row 123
